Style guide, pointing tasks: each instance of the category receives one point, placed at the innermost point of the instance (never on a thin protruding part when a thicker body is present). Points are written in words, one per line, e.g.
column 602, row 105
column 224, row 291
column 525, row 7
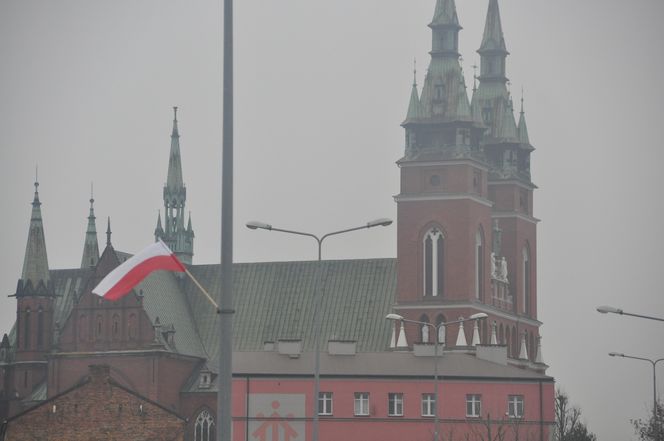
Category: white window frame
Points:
column 474, row 404
column 437, row 242
column 515, row 406
column 203, row 421
column 428, row 405
column 361, row 407
column 325, row 403
column 395, row 404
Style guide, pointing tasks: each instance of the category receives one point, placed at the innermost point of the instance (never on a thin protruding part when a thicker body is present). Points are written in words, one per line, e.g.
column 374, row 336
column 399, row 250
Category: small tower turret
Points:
column 91, row 245
column 173, row 233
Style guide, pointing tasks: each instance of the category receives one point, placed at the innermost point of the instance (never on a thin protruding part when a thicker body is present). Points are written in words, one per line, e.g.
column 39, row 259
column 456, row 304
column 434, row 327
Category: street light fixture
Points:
column 436, row 328
column 610, row 309
column 255, row 225
column 654, row 379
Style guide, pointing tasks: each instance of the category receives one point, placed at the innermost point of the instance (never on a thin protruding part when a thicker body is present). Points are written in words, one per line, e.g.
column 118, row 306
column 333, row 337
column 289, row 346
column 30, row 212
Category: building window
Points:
column 525, row 301
column 433, row 263
column 395, row 404
column 515, row 406
column 428, row 405
column 473, row 405
column 131, row 327
column 361, row 403
column 40, row 327
column 325, row 403
column 116, row 327
column 26, row 327
column 204, row 427
column 479, row 264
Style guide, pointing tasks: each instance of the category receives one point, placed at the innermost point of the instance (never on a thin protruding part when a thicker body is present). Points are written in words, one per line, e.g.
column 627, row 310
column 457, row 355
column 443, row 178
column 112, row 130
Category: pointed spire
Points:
column 522, row 127
column 461, row 337
column 401, row 341
column 159, row 230
column 445, row 14
column 174, row 180
column 393, row 338
column 35, row 262
column 476, row 334
column 493, row 39
column 523, row 353
column 91, row 245
column 414, row 111
column 189, row 229
column 108, row 232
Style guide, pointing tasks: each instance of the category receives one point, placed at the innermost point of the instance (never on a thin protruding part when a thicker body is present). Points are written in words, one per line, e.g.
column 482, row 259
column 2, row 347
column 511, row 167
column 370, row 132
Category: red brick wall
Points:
column 97, row 410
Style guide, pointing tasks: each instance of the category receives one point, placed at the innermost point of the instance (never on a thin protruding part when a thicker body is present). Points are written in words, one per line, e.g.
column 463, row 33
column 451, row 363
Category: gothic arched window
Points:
column 525, row 299
column 204, row 427
column 40, row 327
column 479, row 264
column 425, row 329
column 433, row 245
column 131, row 327
column 116, row 327
column 26, row 329
column 441, row 329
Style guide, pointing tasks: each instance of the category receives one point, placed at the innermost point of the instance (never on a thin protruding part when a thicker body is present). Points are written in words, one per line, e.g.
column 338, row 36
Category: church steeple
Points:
column 522, row 127
column 173, row 232
column 91, row 245
column 35, row 278
column 493, row 51
column 445, row 29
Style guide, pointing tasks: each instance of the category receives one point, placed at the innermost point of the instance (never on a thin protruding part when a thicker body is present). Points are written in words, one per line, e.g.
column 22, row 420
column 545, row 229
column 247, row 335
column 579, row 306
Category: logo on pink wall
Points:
column 277, row 417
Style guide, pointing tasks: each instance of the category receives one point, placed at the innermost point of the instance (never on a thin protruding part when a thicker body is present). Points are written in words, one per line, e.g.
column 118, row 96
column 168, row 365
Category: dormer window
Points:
column 205, row 380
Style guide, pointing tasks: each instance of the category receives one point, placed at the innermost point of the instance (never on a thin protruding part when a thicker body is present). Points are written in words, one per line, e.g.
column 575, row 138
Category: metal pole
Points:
column 225, row 381
column 319, row 276
column 654, row 399
column 435, row 375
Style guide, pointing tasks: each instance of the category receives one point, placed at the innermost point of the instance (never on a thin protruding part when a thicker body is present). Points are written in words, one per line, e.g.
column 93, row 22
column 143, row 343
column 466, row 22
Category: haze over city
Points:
column 87, row 93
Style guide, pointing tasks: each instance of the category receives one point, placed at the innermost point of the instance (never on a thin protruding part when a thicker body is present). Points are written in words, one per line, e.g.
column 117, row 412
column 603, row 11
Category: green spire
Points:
column 174, row 180
column 414, row 111
column 523, row 128
column 493, row 39
column 35, row 274
column 91, row 245
column 445, row 14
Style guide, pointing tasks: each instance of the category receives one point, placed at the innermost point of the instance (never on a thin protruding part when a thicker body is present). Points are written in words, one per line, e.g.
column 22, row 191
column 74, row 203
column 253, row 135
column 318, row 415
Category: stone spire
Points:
column 91, row 245
column 108, row 232
column 173, row 233
column 35, row 275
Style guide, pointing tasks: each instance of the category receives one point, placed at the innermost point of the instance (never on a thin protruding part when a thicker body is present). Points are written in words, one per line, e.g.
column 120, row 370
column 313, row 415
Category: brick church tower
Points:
column 466, row 234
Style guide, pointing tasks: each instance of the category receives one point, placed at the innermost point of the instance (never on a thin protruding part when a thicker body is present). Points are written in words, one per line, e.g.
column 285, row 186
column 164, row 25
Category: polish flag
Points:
column 119, row 282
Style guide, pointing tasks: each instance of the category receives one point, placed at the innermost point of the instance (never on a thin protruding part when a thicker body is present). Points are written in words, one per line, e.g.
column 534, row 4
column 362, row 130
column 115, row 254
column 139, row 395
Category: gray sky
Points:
column 321, row 88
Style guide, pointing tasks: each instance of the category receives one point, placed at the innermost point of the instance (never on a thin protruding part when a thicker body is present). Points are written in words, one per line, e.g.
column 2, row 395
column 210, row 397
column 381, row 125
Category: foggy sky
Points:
column 87, row 88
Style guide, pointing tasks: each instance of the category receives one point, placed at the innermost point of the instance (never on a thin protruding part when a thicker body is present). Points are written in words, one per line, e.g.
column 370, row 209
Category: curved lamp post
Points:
column 610, row 309
column 256, row 225
column 436, row 328
column 654, row 378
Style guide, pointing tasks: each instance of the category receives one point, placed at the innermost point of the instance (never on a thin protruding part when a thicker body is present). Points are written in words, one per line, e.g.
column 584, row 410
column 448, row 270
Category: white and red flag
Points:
column 119, row 282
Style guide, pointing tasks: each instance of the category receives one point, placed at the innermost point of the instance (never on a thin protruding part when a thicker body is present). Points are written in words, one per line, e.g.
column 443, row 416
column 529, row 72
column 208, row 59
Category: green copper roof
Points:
column 414, row 111
column 275, row 301
column 523, row 128
column 493, row 38
column 444, row 96
column 445, row 14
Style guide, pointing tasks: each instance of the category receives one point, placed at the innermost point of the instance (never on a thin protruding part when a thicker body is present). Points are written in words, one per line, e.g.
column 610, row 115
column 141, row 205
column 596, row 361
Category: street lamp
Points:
column 256, row 225
column 436, row 328
column 610, row 309
column 654, row 380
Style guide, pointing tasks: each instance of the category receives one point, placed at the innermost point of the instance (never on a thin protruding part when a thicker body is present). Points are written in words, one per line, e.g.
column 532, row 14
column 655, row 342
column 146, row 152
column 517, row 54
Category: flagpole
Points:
column 193, row 279
column 225, row 379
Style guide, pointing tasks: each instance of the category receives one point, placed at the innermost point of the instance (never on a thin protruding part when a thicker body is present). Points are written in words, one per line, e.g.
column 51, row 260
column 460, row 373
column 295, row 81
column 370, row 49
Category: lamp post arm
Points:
column 642, row 316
